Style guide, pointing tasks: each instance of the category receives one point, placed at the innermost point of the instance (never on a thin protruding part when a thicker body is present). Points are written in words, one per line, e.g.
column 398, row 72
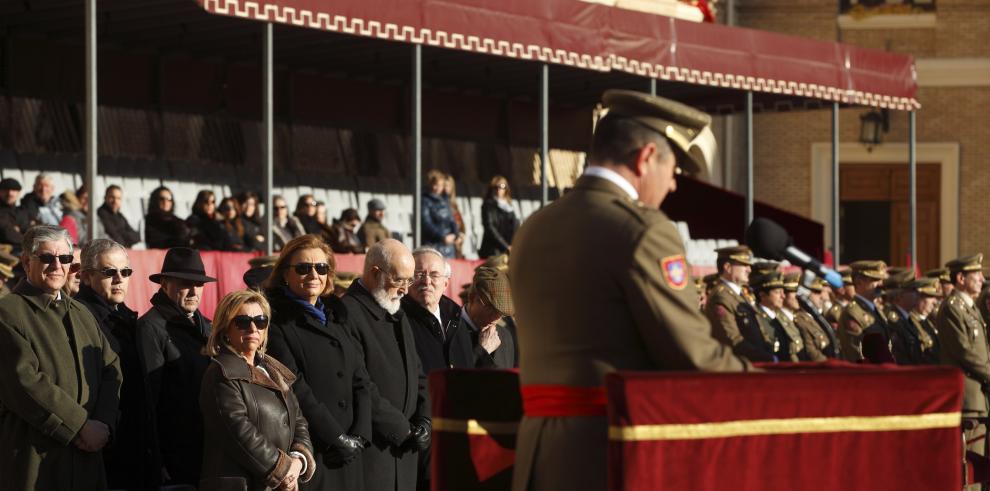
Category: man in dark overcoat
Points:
column 59, row 377
column 400, row 416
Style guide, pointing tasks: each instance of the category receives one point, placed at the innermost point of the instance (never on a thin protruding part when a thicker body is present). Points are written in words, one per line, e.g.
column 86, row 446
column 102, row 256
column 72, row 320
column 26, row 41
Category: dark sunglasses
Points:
column 280, row 207
column 224, row 208
column 48, row 258
column 111, row 272
column 243, row 322
column 322, row 269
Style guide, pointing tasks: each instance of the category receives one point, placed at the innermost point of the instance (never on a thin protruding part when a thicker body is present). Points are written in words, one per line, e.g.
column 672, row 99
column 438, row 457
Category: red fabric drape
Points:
column 229, row 268
column 875, row 459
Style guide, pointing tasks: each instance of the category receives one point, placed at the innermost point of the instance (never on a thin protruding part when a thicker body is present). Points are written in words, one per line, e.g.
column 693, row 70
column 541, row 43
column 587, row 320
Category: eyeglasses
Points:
column 301, row 269
column 434, row 276
column 224, row 208
column 166, row 198
column 48, row 258
column 243, row 322
column 502, row 186
column 112, row 272
column 280, row 207
column 397, row 282
column 309, row 203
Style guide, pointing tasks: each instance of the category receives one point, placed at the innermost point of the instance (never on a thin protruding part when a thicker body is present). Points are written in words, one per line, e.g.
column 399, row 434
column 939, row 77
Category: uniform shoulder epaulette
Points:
column 635, row 209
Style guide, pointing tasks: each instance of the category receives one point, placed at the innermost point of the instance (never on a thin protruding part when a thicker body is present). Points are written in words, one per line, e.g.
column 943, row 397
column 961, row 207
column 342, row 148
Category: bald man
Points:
column 400, row 411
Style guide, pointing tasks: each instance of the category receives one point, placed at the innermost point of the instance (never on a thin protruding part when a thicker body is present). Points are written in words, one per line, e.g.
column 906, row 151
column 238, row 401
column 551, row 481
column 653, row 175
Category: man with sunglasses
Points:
column 106, row 273
column 59, row 377
column 400, row 415
column 170, row 338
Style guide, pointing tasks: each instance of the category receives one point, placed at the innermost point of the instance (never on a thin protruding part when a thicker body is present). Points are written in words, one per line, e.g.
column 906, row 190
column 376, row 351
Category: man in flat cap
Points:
column 758, row 322
column 862, row 316
column 962, row 337
column 373, row 229
column 922, row 317
column 819, row 337
column 734, row 265
column 600, row 283
column 170, row 340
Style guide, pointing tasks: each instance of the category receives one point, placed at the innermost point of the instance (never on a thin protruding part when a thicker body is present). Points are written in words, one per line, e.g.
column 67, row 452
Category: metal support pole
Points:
column 417, row 143
column 90, row 145
column 544, row 132
column 913, row 183
column 653, row 86
column 749, row 158
column 267, row 132
column 835, row 185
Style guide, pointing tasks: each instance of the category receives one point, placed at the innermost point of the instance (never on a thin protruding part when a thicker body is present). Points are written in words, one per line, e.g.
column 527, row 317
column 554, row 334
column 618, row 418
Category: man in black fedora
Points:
column 170, row 340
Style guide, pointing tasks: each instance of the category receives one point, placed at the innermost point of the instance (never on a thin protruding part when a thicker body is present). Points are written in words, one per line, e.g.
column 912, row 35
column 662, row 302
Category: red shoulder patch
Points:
column 674, row 269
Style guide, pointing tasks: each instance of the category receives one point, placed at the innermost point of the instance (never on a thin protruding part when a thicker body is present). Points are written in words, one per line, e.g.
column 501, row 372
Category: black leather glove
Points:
column 419, row 435
column 345, row 449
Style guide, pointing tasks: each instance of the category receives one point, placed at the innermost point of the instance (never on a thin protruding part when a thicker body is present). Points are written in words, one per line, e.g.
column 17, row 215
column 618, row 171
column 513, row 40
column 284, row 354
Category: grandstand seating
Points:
column 139, row 177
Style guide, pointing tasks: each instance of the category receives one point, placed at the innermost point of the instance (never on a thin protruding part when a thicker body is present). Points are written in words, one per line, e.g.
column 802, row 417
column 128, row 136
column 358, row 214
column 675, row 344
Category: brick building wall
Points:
column 949, row 114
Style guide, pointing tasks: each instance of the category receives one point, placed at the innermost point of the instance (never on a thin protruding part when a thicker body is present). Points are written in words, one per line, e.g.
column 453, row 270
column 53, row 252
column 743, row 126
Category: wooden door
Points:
column 882, row 187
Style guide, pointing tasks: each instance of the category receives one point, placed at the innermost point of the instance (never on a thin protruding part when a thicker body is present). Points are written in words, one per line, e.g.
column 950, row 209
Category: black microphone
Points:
column 771, row 241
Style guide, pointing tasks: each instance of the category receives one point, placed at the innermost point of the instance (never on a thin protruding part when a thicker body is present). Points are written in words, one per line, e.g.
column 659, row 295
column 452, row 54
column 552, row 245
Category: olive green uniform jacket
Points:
column 57, row 370
column 816, row 340
column 856, row 319
column 963, row 341
column 722, row 310
column 599, row 284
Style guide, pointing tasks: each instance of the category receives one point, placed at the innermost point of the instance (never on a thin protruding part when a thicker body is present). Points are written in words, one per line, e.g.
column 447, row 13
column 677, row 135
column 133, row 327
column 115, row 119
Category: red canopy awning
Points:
column 598, row 37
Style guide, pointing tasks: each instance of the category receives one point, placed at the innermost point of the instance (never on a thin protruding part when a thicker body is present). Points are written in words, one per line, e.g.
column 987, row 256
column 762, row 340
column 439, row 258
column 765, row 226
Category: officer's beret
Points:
column 965, row 264
column 681, row 124
column 874, row 270
column 739, row 254
column 818, row 285
column 792, row 281
column 941, row 274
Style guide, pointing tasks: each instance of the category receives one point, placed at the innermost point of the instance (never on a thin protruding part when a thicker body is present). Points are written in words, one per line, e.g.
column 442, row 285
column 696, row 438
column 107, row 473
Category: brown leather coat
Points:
column 252, row 422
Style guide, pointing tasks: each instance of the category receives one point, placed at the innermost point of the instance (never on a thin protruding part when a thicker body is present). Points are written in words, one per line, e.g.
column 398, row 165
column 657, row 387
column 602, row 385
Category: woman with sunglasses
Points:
column 499, row 219
column 207, row 229
column 285, row 227
column 255, row 435
column 310, row 335
column 162, row 229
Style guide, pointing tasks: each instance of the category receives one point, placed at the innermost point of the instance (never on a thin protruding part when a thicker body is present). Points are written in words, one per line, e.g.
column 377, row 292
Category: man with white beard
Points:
column 400, row 422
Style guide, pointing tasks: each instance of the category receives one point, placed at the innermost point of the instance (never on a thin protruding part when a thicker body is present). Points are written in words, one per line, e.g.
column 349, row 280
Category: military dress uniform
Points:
column 723, row 308
column 924, row 326
column 861, row 316
column 600, row 283
column 963, row 339
column 796, row 348
column 759, row 327
column 903, row 342
column 819, row 336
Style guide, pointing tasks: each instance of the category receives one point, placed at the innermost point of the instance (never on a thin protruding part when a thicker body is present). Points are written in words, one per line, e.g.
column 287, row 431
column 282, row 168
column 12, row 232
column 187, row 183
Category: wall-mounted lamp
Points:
column 873, row 125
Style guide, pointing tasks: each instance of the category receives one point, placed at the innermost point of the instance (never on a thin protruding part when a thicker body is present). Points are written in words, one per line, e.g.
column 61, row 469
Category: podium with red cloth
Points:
column 796, row 426
column 475, row 417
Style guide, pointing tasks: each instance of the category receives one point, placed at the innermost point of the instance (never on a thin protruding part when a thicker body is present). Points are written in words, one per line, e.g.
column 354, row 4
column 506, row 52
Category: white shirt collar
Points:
column 614, row 177
column 436, row 313
column 770, row 312
column 732, row 286
column 788, row 314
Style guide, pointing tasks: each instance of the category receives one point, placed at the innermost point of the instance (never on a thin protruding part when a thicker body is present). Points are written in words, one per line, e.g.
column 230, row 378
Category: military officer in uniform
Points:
column 861, row 316
column 788, row 309
column 944, row 283
column 730, row 291
column 922, row 318
column 758, row 322
column 841, row 298
column 600, row 283
column 819, row 337
column 962, row 337
column 905, row 343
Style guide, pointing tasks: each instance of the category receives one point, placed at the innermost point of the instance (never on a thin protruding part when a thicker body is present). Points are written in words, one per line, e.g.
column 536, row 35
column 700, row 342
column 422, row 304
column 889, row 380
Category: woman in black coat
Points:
column 208, row 233
column 256, row 437
column 162, row 229
column 310, row 336
column 498, row 218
